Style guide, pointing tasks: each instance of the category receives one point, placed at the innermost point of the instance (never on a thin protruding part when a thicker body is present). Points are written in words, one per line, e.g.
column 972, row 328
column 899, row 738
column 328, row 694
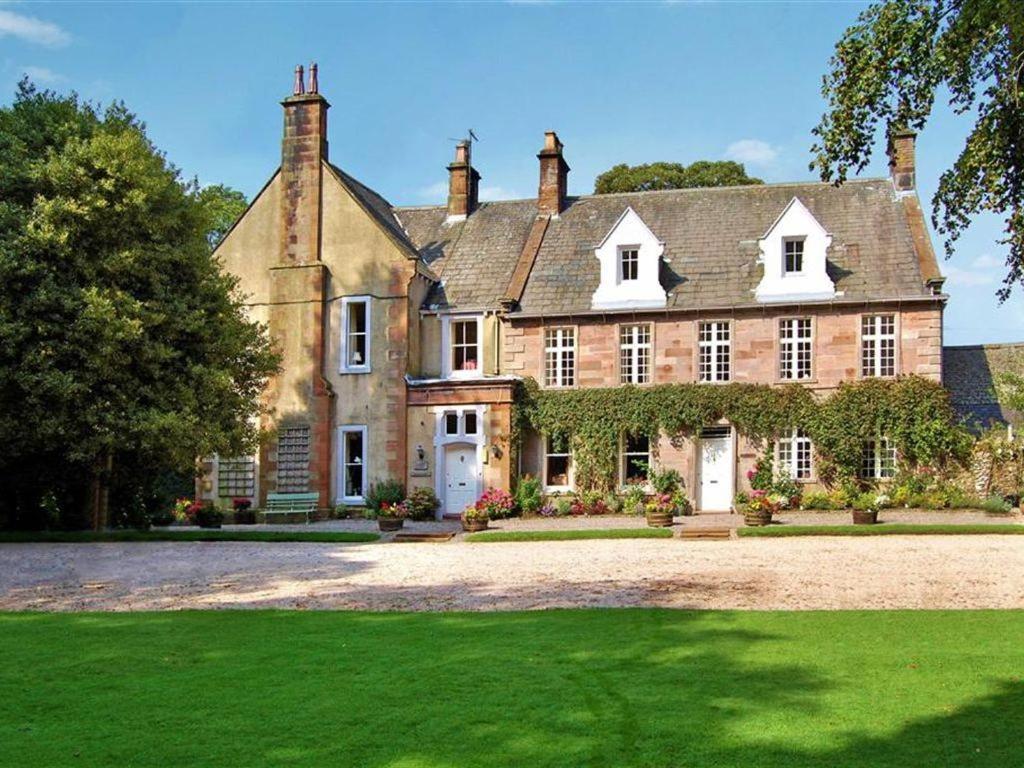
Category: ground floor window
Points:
column 635, row 459
column 793, row 455
column 557, row 461
column 293, row 460
column 878, row 459
column 236, row 478
column 353, row 464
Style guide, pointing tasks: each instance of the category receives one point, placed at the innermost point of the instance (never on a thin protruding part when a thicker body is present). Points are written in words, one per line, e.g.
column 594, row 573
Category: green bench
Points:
column 290, row 503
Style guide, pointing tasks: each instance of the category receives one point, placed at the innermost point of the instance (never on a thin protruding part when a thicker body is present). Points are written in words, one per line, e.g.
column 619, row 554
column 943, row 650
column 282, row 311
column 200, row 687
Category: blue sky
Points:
column 620, row 83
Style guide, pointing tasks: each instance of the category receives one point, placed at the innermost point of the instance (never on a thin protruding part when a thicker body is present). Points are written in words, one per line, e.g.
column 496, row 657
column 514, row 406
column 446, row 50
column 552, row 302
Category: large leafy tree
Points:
column 641, row 178
column 223, row 206
column 122, row 345
column 888, row 70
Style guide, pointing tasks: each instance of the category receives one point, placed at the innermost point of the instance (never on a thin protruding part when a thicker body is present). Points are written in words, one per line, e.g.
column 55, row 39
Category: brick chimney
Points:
column 554, row 172
column 901, row 159
column 303, row 151
column 463, row 183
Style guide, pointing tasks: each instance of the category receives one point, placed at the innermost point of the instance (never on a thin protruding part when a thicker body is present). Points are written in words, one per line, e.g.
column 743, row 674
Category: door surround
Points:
column 727, row 435
column 442, row 441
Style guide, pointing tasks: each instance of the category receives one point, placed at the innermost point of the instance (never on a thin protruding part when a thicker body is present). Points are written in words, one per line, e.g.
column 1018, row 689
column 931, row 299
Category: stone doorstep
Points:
column 714, row 534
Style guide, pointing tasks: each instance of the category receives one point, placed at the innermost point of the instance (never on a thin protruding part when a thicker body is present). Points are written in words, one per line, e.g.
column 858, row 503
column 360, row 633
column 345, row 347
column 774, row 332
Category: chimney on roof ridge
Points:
column 902, row 165
column 463, row 183
column 554, row 172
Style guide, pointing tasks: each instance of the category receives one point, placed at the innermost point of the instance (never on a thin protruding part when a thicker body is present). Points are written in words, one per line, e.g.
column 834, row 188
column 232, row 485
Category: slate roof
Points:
column 969, row 374
column 710, row 237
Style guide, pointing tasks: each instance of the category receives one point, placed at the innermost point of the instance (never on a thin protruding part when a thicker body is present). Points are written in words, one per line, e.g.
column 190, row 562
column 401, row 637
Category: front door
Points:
column 716, row 469
column 460, row 475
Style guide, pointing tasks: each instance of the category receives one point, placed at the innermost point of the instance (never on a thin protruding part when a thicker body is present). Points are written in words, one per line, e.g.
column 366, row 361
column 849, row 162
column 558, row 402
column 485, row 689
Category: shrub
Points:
column 563, row 507
column 385, row 492
column 422, row 503
column 681, row 502
column 741, row 500
column 528, row 495
column 633, row 499
column 205, row 515
column 818, row 500
column 614, row 504
column 996, row 505
column 496, row 504
column 760, row 476
column 547, row 510
column 786, row 486
column 666, row 481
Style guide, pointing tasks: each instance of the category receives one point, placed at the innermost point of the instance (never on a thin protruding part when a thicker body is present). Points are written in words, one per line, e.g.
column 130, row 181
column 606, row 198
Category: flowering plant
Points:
column 180, row 511
column 390, row 509
column 660, row 503
column 473, row 512
column 762, row 501
column 495, row 503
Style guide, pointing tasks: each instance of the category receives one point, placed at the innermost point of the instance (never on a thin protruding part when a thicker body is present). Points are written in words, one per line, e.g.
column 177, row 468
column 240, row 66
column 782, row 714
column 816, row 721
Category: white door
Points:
column 716, row 471
column 460, row 474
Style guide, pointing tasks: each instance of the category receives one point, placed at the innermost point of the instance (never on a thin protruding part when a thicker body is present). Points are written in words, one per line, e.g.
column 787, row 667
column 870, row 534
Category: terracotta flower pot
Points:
column 865, row 516
column 659, row 519
column 390, row 523
column 757, row 518
column 475, row 524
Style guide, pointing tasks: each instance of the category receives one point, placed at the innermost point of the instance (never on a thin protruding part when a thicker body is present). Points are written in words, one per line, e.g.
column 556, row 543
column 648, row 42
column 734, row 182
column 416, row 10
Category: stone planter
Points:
column 865, row 516
column 390, row 523
column 659, row 519
column 475, row 524
column 757, row 518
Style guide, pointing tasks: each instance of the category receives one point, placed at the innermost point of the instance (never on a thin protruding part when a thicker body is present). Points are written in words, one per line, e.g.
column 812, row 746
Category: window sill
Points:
column 354, row 370
column 352, row 501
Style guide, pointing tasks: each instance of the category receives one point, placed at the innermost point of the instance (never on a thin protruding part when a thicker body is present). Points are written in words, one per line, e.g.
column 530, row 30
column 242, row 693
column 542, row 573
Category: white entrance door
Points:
column 716, row 470
column 460, row 474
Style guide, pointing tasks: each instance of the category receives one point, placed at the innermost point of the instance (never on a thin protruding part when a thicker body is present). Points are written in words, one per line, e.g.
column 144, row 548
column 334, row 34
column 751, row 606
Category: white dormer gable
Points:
column 630, row 257
column 793, row 254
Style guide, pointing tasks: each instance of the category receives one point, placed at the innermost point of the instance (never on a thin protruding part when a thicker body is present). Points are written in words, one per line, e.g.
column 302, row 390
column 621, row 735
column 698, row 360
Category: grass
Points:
column 883, row 529
column 547, row 688
column 74, row 537
column 595, row 533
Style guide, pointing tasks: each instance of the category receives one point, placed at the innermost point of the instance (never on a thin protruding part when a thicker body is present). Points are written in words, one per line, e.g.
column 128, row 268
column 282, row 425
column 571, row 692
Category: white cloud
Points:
column 42, row 75
column 498, row 193
column 966, row 277
column 753, row 151
column 32, row 30
column 986, row 261
column 434, row 191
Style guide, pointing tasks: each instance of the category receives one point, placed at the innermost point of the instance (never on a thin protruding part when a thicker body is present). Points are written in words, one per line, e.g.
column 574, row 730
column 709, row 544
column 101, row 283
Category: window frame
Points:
column 786, row 241
column 875, row 339
column 346, row 303
column 546, row 454
column 448, row 347
column 559, row 350
column 792, row 441
column 879, row 445
column 792, row 346
column 714, row 344
column 624, row 458
column 634, row 261
column 344, row 463
column 636, row 348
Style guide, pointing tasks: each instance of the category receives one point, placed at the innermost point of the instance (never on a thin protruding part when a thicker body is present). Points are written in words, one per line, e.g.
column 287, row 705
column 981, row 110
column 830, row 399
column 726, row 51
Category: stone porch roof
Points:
column 970, row 373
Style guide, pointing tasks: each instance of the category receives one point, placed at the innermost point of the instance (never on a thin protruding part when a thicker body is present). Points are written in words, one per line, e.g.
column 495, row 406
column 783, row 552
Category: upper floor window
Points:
column 629, row 263
column 795, row 348
column 461, row 339
column 715, row 351
column 793, row 455
column 560, row 357
column 557, row 461
column 878, row 345
column 635, row 354
column 793, row 261
column 355, row 334
column 878, row 459
column 635, row 460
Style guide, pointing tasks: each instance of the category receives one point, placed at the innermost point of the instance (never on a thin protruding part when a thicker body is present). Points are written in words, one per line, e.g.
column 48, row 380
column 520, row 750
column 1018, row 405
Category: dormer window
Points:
column 629, row 263
column 793, row 262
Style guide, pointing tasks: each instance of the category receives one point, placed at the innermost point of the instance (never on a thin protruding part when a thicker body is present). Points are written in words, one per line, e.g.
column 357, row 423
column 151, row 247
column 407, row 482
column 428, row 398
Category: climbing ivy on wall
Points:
column 913, row 412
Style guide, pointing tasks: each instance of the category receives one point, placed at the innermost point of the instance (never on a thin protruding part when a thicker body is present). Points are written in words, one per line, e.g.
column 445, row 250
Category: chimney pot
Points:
column 902, row 163
column 314, row 83
column 300, row 86
column 554, row 173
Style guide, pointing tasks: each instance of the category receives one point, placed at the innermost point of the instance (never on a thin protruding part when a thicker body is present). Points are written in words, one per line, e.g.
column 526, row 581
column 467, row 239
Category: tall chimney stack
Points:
column 554, row 172
column 463, row 183
column 303, row 152
column 901, row 159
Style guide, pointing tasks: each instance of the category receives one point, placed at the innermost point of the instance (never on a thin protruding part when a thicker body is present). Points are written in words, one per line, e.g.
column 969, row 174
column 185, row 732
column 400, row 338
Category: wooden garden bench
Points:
column 288, row 503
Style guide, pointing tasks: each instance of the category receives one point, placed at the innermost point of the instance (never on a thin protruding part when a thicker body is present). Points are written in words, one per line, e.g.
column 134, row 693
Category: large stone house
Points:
column 404, row 329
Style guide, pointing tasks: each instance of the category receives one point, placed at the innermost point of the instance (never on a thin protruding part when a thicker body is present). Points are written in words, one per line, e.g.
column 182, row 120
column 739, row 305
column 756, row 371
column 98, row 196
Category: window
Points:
column 878, row 345
column 469, row 423
column 293, row 460
column 451, row 423
column 714, row 351
column 557, row 461
column 353, row 464
column 635, row 354
column 464, row 341
column 878, row 460
column 636, row 459
column 463, row 422
column 793, row 255
column 560, row 357
column 629, row 263
column 793, row 455
column 795, row 349
column 355, row 335
column 236, row 477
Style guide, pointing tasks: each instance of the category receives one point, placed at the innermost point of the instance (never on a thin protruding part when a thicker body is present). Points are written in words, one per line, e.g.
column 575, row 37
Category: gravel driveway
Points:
column 808, row 573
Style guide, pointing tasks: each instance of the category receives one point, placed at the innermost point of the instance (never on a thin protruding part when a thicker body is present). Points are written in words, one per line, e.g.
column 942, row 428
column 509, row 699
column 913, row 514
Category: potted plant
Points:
column 495, row 503
column 244, row 513
column 422, row 503
column 382, row 504
column 866, row 506
column 474, row 518
column 660, row 510
column 760, row 508
column 391, row 517
column 205, row 515
column 682, row 503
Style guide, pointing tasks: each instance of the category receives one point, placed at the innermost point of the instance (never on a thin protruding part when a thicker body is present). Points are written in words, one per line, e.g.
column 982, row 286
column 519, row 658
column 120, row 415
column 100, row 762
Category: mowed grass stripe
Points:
column 571, row 535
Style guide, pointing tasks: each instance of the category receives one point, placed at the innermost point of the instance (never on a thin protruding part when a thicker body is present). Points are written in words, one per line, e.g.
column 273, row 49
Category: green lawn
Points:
column 74, row 537
column 548, row 688
column 594, row 533
column 883, row 529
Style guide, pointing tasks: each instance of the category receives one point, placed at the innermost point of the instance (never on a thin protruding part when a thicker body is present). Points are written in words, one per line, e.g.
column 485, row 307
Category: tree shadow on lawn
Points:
column 553, row 688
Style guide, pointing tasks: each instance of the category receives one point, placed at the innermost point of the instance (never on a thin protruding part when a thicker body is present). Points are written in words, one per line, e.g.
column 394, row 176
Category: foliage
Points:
column 633, row 498
column 642, row 178
column 390, row 492
column 660, row 503
column 760, row 477
column 222, row 206
column 996, row 505
column 529, row 498
column 495, row 504
column 124, row 351
column 740, row 500
column 422, row 503
column 205, row 515
column 817, row 500
column 763, row 501
column 888, row 69
column 665, row 480
column 887, row 529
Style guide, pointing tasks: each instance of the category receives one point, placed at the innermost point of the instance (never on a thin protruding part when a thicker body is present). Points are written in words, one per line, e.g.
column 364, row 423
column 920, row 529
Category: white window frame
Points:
column 791, row 346
column 714, row 346
column 547, row 453
column 785, row 255
column 460, row 423
column 346, row 303
column 641, row 353
column 448, row 351
column 559, row 343
column 880, row 446
column 343, row 463
column 621, row 252
column 624, row 458
column 873, row 340
column 788, row 450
